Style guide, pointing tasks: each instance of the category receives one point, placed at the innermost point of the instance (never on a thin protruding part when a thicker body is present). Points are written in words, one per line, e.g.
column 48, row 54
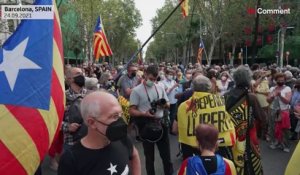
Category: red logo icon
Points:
column 251, row 11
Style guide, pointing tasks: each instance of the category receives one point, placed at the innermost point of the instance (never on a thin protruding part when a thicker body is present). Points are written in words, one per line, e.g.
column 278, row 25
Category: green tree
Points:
column 170, row 41
column 120, row 19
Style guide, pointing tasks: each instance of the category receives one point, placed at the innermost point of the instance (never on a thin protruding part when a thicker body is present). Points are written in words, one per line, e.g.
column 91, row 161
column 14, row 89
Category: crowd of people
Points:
column 218, row 112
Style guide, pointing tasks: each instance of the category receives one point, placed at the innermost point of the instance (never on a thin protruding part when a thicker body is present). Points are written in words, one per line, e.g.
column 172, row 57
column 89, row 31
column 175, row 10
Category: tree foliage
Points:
column 119, row 17
column 223, row 20
column 169, row 43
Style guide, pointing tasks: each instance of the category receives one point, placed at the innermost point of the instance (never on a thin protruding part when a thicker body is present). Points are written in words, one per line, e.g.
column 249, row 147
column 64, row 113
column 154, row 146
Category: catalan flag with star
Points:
column 200, row 52
column 31, row 94
column 101, row 46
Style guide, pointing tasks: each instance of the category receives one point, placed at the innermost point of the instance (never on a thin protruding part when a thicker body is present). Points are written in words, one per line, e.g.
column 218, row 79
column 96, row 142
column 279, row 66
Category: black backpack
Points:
column 75, row 117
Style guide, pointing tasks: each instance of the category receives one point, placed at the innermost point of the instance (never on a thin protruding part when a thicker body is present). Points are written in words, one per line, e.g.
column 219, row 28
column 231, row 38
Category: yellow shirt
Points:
column 263, row 87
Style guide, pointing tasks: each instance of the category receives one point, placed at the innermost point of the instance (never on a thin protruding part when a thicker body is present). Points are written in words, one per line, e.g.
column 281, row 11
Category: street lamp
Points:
column 278, row 51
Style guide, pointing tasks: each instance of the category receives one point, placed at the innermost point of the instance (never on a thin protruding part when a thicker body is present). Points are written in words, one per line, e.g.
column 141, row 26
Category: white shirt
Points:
column 284, row 91
column 168, row 84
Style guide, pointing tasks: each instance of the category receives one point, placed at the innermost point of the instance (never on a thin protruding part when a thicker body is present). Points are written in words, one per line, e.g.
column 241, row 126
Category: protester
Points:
column 261, row 90
column 129, row 81
column 295, row 111
column 171, row 88
column 290, row 80
column 188, row 80
column 208, row 162
column 147, row 112
column 244, row 109
column 91, row 84
column 212, row 75
column 107, row 82
column 223, row 83
column 279, row 123
column 105, row 149
column 207, row 108
column 71, row 122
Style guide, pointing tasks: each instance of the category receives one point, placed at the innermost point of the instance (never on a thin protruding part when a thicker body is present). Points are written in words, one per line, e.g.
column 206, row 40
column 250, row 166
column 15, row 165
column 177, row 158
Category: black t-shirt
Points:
column 210, row 163
column 112, row 159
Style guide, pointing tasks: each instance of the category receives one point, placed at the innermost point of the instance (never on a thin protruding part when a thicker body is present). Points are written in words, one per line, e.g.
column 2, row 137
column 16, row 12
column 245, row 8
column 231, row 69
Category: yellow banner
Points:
column 293, row 166
column 205, row 108
column 125, row 108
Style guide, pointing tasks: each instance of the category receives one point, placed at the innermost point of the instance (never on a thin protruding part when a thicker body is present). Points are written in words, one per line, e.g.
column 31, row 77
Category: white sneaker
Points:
column 287, row 150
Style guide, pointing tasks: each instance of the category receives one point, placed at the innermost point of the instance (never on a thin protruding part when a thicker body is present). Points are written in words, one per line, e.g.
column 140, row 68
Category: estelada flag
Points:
column 101, row 46
column 31, row 94
column 140, row 59
column 200, row 52
column 185, row 7
column 194, row 166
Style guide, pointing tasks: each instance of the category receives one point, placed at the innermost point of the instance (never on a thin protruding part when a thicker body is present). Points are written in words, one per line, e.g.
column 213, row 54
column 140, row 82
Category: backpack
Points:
column 75, row 117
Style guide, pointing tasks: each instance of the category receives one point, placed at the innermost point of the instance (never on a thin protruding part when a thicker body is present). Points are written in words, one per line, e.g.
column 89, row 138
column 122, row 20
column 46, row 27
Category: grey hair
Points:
column 201, row 84
column 288, row 74
column 91, row 83
column 104, row 78
column 242, row 77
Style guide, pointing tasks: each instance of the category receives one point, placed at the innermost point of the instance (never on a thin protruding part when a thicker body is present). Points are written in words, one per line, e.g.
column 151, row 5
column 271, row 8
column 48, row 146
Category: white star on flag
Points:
column 14, row 60
column 112, row 169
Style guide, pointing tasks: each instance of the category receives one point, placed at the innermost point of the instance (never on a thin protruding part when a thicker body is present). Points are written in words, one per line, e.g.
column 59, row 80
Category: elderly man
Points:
column 204, row 108
column 105, row 149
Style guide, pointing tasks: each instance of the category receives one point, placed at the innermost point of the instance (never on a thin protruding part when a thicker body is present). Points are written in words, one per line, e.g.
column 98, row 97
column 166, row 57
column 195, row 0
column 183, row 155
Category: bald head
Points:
column 98, row 103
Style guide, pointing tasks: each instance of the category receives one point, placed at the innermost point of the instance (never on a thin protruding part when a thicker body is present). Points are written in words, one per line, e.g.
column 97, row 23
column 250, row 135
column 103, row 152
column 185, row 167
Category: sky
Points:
column 148, row 11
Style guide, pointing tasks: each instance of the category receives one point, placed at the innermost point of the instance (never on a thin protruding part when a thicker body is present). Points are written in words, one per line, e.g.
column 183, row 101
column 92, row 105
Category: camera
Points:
column 161, row 102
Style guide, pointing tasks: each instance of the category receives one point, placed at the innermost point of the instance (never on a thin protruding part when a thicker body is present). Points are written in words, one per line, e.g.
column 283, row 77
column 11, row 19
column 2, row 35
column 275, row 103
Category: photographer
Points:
column 147, row 102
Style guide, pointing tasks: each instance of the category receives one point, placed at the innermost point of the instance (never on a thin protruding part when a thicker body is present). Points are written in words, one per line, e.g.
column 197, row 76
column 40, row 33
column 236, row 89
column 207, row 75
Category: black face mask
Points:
column 79, row 80
column 133, row 74
column 110, row 84
column 117, row 130
column 280, row 83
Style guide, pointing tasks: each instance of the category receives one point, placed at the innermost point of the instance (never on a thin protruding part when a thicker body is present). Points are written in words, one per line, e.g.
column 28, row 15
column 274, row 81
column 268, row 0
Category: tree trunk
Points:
column 282, row 47
column 211, row 51
column 233, row 53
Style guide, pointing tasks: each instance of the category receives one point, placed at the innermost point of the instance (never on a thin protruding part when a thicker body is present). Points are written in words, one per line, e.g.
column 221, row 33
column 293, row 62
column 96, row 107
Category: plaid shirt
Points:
column 70, row 96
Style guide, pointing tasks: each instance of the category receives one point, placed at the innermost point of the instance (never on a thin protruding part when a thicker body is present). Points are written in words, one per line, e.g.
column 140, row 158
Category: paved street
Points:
column 274, row 161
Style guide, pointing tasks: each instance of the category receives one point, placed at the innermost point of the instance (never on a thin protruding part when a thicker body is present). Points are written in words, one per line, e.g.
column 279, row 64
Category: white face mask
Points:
column 170, row 77
column 223, row 78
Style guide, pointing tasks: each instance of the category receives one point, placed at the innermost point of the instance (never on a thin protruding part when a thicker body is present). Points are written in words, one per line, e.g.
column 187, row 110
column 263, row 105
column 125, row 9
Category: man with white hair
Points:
column 105, row 149
column 289, row 79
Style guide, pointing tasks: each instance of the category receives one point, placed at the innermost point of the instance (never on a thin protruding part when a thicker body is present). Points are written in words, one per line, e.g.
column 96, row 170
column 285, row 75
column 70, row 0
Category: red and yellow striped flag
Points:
column 31, row 94
column 185, row 8
column 101, row 46
column 200, row 52
column 140, row 58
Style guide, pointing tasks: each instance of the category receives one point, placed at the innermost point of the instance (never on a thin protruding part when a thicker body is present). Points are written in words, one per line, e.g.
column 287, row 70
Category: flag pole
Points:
column 151, row 36
column 189, row 43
